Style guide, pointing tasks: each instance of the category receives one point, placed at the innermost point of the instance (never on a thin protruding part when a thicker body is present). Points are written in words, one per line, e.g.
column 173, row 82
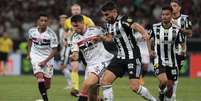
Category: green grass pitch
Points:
column 24, row 88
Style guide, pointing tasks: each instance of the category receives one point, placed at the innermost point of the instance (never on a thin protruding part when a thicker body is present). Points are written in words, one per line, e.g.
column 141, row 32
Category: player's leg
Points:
column 134, row 72
column 106, row 83
column 75, row 77
column 172, row 75
column 47, row 83
column 41, row 85
column 65, row 52
column 160, row 72
column 90, row 81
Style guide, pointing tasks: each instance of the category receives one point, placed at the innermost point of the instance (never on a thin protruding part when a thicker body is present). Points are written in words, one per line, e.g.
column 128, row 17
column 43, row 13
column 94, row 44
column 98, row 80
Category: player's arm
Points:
column 188, row 28
column 140, row 29
column 129, row 23
column 150, row 43
column 75, row 52
column 29, row 41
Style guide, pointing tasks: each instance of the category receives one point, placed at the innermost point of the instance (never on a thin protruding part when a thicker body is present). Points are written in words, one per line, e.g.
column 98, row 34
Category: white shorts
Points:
column 97, row 69
column 47, row 70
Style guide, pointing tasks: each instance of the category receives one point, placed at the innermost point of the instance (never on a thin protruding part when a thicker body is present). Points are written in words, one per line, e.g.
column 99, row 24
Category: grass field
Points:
column 24, row 88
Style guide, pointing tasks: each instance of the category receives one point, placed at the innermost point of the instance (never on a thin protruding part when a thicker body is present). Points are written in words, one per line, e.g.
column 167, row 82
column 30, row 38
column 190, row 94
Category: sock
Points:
column 75, row 80
column 175, row 89
column 83, row 97
column 167, row 99
column 142, row 91
column 67, row 76
column 42, row 89
column 108, row 93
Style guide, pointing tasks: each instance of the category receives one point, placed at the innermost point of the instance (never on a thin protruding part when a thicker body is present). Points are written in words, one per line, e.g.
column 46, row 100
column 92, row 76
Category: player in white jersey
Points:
column 65, row 51
column 183, row 22
column 87, row 41
column 144, row 51
column 42, row 45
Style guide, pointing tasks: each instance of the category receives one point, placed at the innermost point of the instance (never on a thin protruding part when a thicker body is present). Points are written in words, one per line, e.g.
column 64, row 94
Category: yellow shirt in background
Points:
column 87, row 21
column 6, row 45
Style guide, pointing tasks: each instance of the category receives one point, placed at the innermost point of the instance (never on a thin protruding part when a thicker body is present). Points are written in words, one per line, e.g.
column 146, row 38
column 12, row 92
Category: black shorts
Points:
column 171, row 72
column 3, row 56
column 121, row 66
column 180, row 60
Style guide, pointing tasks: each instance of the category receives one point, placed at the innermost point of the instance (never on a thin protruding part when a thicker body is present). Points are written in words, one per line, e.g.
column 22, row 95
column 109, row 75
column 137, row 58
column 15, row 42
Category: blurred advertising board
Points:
column 195, row 65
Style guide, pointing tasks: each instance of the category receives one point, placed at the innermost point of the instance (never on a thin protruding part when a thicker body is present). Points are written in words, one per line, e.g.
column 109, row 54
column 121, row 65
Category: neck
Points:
column 166, row 25
column 84, row 30
column 176, row 15
column 41, row 30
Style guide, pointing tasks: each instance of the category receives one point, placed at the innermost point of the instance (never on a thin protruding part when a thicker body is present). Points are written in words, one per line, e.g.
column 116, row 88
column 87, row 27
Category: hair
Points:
column 77, row 18
column 42, row 14
column 75, row 5
column 109, row 6
column 177, row 1
column 167, row 7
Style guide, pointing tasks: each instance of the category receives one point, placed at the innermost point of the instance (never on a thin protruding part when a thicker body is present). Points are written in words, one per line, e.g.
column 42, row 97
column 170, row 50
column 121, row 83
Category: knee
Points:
column 163, row 81
column 135, row 88
column 105, row 82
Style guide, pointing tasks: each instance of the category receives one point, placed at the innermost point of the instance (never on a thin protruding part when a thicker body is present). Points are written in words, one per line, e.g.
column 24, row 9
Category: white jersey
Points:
column 42, row 43
column 143, row 48
column 94, row 53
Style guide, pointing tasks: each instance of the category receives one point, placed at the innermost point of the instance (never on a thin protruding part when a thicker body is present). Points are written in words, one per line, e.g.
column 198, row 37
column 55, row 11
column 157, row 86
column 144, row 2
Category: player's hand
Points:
column 145, row 36
column 42, row 63
column 152, row 54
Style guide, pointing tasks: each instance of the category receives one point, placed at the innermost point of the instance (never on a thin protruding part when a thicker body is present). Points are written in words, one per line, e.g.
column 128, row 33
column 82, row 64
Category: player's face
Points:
column 176, row 8
column 62, row 20
column 166, row 16
column 78, row 27
column 42, row 22
column 109, row 15
column 75, row 10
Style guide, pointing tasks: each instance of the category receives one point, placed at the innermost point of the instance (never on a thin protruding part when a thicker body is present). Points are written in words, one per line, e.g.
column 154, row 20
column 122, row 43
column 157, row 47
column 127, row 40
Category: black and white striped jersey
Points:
column 182, row 22
column 123, row 37
column 164, row 41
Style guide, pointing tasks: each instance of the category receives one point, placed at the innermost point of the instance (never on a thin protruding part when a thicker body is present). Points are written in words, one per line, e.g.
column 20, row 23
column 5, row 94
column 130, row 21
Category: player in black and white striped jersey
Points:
column 164, row 38
column 184, row 23
column 128, row 59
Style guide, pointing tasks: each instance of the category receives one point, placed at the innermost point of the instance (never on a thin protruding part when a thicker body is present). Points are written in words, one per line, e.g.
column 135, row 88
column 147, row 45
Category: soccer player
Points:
column 75, row 10
column 42, row 46
column 88, row 41
column 121, row 29
column 164, row 37
column 65, row 51
column 183, row 22
column 6, row 46
column 144, row 51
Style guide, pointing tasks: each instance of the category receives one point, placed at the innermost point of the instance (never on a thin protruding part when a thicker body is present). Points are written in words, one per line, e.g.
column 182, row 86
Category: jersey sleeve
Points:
column 73, row 44
column 127, row 22
column 180, row 37
column 29, row 34
column 54, row 41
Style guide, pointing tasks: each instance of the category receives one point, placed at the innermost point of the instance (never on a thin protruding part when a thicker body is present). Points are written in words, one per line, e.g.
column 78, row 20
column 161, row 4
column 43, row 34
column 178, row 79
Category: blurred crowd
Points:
column 17, row 16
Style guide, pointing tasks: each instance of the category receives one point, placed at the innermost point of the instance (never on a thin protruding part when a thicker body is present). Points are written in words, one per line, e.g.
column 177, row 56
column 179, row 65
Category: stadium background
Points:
column 17, row 16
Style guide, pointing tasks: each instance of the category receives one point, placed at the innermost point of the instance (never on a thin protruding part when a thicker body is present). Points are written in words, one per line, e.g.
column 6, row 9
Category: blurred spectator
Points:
column 16, row 16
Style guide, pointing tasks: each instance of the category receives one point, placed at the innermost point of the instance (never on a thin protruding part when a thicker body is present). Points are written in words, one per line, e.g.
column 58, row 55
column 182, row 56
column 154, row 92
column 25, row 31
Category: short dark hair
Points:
column 109, row 6
column 42, row 14
column 77, row 18
column 176, row 1
column 167, row 7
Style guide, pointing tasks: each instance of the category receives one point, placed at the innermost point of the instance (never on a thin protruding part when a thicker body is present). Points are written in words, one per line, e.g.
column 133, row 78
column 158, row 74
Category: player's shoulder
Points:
column 174, row 26
column 184, row 16
column 157, row 24
column 50, row 31
column 92, row 28
column 86, row 17
column 32, row 30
